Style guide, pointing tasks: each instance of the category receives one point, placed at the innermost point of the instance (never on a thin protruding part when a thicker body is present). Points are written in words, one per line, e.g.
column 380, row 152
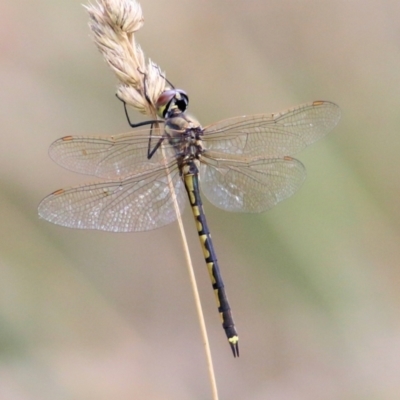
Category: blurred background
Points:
column 314, row 283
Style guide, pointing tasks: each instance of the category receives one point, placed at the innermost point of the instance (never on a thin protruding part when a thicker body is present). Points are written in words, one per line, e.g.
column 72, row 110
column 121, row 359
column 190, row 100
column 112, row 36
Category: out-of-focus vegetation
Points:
column 314, row 283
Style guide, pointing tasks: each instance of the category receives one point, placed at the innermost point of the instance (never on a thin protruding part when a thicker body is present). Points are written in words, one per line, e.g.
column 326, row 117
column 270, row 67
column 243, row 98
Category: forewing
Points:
column 139, row 203
column 252, row 186
column 110, row 157
column 273, row 135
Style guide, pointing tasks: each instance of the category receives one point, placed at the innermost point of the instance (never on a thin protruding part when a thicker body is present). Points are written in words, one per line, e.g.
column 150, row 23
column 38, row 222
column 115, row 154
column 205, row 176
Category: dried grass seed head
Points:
column 113, row 23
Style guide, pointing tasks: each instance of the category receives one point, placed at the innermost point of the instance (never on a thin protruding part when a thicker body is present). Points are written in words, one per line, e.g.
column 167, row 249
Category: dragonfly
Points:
column 243, row 164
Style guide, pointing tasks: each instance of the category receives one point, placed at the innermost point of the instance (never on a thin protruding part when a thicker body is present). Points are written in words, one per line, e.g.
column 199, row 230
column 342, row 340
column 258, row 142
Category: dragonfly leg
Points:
column 131, row 124
column 150, row 152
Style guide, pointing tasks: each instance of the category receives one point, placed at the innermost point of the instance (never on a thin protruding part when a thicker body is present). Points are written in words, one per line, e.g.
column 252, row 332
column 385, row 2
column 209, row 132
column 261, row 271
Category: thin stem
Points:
column 113, row 23
column 193, row 283
column 199, row 309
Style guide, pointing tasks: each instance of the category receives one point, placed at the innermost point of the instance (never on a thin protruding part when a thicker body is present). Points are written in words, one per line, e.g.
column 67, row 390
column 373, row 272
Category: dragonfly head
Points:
column 171, row 100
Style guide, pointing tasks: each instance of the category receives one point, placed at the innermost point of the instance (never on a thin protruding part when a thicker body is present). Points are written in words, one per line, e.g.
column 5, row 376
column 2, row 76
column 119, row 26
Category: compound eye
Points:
column 164, row 101
column 169, row 99
column 183, row 100
column 165, row 97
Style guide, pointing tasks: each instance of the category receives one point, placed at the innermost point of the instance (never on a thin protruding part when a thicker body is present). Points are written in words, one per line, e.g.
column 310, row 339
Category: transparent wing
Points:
column 139, row 203
column 109, row 157
column 250, row 186
column 273, row 135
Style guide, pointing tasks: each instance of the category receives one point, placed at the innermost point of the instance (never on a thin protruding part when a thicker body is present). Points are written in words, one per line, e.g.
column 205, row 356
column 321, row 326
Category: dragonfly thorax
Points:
column 184, row 134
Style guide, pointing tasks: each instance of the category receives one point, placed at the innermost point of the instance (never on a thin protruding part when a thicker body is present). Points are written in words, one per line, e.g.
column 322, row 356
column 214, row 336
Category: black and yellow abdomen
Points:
column 191, row 181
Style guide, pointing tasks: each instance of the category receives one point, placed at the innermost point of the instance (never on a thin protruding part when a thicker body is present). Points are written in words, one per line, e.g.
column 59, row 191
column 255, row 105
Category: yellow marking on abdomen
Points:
column 210, row 266
column 199, row 226
column 233, row 339
column 189, row 185
column 203, row 239
column 196, row 211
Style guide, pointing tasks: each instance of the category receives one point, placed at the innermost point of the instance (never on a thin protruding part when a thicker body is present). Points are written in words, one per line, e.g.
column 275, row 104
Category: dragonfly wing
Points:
column 109, row 157
column 139, row 203
column 273, row 135
column 250, row 186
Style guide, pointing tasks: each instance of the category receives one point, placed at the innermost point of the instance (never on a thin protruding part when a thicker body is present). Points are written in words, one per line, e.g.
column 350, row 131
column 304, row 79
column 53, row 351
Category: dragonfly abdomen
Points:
column 191, row 181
